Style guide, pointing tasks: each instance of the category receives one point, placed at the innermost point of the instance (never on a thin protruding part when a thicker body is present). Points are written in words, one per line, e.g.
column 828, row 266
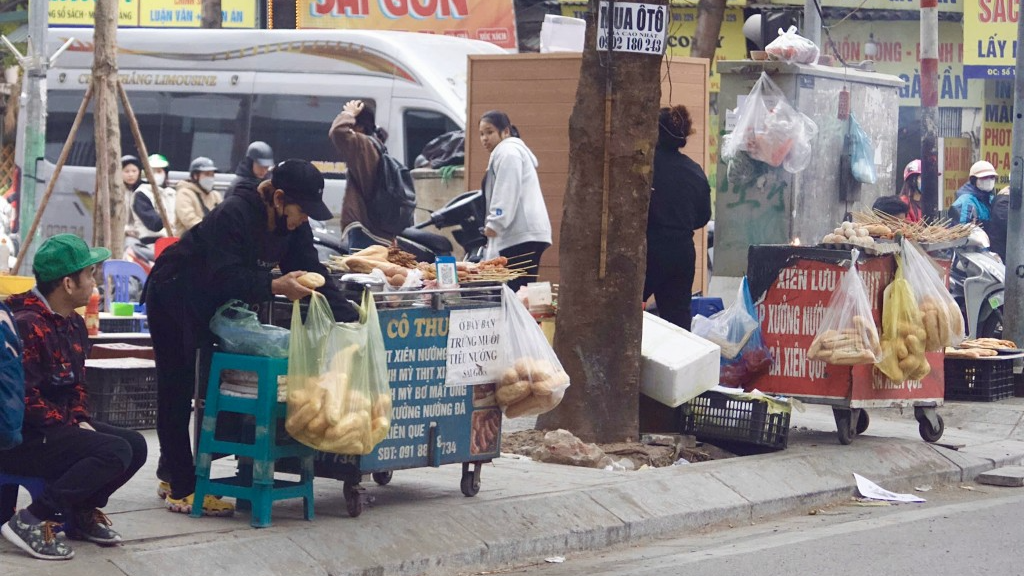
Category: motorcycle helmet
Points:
column 202, row 164
column 158, row 161
column 982, row 169
column 262, row 153
column 978, row 238
column 913, row 167
column 129, row 159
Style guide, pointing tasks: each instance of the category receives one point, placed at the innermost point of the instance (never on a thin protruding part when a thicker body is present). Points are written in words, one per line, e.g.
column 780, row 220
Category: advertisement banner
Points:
column 990, row 38
column 997, row 129
column 955, row 166
column 83, row 12
column 914, row 5
column 898, row 53
column 189, row 13
column 489, row 20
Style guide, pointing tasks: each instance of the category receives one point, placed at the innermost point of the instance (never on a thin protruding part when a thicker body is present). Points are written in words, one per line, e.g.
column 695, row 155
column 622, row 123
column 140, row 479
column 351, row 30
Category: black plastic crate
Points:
column 120, row 324
column 122, row 392
column 979, row 380
column 717, row 416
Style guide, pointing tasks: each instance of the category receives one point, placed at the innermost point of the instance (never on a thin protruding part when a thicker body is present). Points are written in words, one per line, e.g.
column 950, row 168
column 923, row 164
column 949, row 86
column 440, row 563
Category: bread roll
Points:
column 513, row 393
column 311, row 280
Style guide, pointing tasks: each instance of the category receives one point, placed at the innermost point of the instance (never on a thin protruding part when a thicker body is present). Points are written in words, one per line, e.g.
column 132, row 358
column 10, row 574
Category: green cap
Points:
column 65, row 254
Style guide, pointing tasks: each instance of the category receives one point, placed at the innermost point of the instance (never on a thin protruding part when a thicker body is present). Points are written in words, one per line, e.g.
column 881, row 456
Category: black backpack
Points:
column 394, row 199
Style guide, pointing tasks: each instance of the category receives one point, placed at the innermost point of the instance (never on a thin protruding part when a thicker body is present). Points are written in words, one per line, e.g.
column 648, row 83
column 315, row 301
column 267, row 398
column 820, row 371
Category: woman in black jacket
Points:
column 229, row 255
column 680, row 204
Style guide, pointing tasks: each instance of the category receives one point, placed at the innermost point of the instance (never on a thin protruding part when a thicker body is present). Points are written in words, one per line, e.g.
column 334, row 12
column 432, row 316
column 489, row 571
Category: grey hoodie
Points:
column 515, row 205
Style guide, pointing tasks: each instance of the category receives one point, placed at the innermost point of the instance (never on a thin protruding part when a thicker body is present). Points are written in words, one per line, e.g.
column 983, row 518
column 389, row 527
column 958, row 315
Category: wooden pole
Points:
column 53, row 179
column 140, row 145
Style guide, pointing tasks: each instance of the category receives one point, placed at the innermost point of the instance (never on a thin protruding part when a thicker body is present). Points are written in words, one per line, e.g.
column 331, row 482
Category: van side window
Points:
column 297, row 126
column 422, row 126
column 61, row 109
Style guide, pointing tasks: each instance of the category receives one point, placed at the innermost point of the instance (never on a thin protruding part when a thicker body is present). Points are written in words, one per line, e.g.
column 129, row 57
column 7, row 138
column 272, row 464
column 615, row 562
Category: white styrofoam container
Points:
column 676, row 366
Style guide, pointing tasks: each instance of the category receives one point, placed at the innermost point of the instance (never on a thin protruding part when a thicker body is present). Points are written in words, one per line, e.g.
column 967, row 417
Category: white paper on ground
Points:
column 869, row 489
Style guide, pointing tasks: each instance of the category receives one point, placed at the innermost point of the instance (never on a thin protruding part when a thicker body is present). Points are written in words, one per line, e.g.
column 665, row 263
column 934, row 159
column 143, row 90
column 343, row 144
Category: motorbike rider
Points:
column 196, row 196
column 910, row 193
column 146, row 223
column 974, row 198
column 253, row 169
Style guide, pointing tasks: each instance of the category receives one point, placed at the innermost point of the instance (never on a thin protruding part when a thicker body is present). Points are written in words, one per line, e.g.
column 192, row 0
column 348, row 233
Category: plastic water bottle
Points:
column 92, row 313
column 5, row 256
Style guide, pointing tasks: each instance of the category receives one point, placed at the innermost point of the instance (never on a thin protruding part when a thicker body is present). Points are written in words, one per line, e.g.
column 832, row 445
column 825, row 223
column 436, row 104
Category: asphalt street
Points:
column 959, row 531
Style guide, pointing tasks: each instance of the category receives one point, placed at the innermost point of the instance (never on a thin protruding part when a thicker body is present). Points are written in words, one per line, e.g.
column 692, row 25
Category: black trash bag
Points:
column 448, row 149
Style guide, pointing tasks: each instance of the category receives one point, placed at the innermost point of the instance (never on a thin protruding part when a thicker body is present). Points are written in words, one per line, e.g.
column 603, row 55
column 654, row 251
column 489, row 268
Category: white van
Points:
column 212, row 92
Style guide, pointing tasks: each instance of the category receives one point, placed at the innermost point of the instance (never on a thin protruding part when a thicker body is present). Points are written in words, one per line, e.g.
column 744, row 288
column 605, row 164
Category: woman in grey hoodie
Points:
column 517, row 225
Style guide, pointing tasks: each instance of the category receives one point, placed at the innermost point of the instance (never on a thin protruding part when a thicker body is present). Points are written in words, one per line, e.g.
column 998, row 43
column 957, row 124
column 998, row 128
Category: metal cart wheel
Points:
column 353, row 499
column 383, row 478
column 930, row 433
column 863, row 421
column 844, row 425
column 470, row 479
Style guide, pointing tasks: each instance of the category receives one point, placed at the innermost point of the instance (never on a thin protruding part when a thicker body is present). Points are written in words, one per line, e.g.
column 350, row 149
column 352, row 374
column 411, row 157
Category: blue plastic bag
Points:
column 240, row 332
column 737, row 331
column 862, row 154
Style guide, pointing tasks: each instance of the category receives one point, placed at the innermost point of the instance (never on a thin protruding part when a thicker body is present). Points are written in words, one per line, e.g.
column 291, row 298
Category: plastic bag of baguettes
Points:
column 941, row 317
column 532, row 380
column 847, row 335
column 903, row 333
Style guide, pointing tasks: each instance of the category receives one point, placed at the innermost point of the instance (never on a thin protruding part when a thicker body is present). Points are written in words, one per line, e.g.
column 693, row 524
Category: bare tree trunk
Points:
column 599, row 320
column 111, row 208
column 212, row 17
column 709, row 26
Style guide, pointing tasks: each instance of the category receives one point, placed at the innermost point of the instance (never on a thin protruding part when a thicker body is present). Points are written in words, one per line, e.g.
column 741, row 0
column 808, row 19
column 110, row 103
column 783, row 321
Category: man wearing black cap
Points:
column 229, row 255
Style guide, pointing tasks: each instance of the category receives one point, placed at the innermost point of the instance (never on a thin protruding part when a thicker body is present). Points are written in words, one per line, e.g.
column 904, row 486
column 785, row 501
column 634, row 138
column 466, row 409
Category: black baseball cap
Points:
column 304, row 185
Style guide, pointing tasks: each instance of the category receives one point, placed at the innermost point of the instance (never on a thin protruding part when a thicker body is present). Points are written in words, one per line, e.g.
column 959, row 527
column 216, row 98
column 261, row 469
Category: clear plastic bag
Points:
column 737, row 331
column 903, row 334
column 240, row 332
column 533, row 381
column 770, row 130
column 862, row 154
column 791, row 47
column 339, row 398
column 941, row 317
column 847, row 335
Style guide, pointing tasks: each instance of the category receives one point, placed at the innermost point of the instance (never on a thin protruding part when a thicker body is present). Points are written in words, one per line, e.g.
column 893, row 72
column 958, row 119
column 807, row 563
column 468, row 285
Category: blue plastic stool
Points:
column 116, row 280
column 705, row 306
column 9, row 492
column 260, row 487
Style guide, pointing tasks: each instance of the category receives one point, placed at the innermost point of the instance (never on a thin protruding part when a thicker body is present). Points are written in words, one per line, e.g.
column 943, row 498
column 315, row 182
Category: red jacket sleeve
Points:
column 37, row 361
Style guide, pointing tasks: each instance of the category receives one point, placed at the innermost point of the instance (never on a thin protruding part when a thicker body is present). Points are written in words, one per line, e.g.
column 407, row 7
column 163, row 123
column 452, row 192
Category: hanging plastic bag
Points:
column 533, row 380
column 903, row 334
column 847, row 335
column 862, row 154
column 737, row 331
column 943, row 323
column 240, row 332
column 791, row 47
column 770, row 130
column 339, row 398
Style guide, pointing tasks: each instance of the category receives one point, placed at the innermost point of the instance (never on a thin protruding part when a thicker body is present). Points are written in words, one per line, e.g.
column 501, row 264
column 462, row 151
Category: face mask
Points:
column 160, row 179
column 207, row 183
column 987, row 185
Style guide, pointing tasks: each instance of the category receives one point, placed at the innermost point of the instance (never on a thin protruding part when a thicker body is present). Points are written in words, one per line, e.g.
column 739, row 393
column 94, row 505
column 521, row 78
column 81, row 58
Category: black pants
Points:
column 84, row 468
column 670, row 271
column 525, row 256
column 175, row 340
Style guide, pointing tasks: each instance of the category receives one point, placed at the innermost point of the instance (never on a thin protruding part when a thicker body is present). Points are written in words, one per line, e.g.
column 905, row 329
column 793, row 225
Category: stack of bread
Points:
column 531, row 387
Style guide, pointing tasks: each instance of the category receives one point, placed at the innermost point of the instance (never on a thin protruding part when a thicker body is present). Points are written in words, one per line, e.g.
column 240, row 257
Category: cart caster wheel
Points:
column 354, row 499
column 844, row 426
column 863, row 421
column 929, row 434
column 470, row 485
column 383, row 478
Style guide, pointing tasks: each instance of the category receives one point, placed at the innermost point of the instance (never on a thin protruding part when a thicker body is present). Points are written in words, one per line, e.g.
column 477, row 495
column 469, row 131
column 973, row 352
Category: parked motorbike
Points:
column 976, row 281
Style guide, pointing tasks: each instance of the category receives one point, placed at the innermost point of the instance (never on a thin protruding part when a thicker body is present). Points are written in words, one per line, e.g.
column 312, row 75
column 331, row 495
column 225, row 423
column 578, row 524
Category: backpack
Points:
column 394, row 199
column 12, row 382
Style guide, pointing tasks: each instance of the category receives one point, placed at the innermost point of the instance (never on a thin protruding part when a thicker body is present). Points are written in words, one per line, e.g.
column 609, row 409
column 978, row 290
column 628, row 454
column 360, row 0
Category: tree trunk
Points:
column 709, row 26
column 212, row 17
column 111, row 208
column 599, row 320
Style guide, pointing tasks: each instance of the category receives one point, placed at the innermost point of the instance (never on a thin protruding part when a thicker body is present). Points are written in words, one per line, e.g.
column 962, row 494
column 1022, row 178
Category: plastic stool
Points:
column 259, row 488
column 9, row 492
column 705, row 306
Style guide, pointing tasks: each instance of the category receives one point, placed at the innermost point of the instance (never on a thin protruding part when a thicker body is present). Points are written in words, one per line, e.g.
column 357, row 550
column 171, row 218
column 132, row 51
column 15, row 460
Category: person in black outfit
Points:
column 253, row 169
column 997, row 225
column 680, row 204
column 229, row 255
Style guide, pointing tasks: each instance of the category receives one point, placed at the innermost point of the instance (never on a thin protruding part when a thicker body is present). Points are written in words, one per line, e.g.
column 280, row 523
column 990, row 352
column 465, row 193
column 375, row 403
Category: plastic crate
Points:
column 979, row 380
column 122, row 392
column 717, row 416
column 120, row 324
column 705, row 306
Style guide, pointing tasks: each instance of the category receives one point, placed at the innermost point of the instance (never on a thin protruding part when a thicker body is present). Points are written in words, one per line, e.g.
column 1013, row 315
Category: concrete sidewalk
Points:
column 422, row 524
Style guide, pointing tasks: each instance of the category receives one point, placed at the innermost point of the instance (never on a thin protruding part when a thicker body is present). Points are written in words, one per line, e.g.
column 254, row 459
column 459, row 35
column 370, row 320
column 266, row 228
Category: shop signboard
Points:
column 83, row 12
column 955, row 165
column 489, row 20
column 990, row 37
column 997, row 129
column 955, row 6
column 154, row 13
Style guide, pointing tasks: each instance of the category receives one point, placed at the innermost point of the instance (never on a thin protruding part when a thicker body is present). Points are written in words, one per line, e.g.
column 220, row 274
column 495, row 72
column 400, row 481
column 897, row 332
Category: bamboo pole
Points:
column 144, row 157
column 53, row 179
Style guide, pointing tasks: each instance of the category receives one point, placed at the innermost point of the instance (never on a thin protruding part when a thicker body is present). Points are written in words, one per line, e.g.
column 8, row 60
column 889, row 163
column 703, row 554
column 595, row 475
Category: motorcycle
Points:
column 976, row 281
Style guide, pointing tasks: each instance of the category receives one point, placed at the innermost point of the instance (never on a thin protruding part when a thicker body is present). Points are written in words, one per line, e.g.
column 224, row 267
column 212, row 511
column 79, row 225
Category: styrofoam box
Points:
column 676, row 366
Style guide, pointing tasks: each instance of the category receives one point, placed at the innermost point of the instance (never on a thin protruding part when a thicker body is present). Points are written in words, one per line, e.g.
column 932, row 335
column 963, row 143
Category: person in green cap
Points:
column 84, row 461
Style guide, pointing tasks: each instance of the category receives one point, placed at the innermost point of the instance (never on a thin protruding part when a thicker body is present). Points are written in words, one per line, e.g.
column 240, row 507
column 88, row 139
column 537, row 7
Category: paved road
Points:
column 957, row 532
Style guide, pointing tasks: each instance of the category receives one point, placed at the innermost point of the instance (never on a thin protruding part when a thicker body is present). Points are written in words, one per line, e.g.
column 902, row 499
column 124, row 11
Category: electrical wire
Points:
column 831, row 43
column 848, row 15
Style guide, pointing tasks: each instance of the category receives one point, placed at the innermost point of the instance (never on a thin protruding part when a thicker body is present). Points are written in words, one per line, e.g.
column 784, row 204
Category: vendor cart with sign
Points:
column 792, row 286
column 439, row 344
